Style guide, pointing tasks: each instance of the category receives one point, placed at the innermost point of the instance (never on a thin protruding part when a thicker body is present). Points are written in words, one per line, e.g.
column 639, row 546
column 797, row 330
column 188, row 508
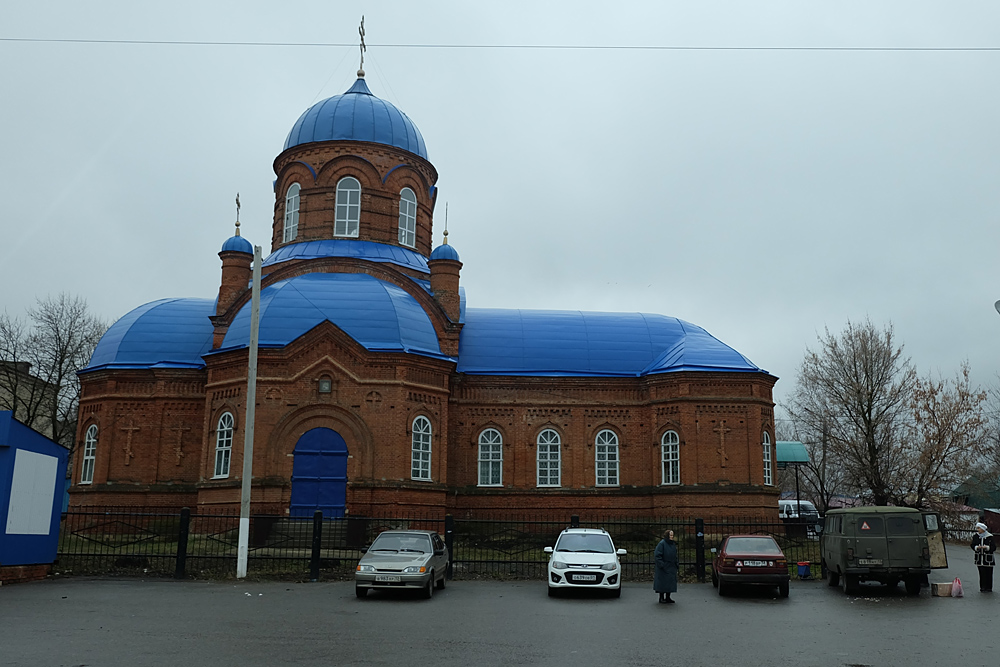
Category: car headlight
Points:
column 366, row 568
column 609, row 566
column 559, row 565
column 414, row 569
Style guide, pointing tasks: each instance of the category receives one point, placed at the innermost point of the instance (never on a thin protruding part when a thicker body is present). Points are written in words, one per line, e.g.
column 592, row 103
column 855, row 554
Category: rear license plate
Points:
column 755, row 563
column 387, row 577
column 869, row 561
column 584, row 577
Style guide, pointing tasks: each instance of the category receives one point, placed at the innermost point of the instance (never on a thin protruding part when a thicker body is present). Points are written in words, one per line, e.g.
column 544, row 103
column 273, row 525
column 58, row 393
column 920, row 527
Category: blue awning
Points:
column 791, row 452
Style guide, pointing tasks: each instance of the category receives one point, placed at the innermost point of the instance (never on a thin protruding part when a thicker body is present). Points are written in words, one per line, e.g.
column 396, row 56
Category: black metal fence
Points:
column 206, row 545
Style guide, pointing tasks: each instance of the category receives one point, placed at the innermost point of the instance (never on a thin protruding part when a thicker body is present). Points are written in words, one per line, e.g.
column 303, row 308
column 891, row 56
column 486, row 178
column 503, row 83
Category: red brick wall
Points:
column 18, row 574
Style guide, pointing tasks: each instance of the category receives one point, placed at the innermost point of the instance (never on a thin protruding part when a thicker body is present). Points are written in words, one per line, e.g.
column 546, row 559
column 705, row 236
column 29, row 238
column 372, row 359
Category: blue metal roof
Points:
column 379, row 315
column 445, row 252
column 169, row 333
column 574, row 343
column 369, row 250
column 237, row 244
column 357, row 115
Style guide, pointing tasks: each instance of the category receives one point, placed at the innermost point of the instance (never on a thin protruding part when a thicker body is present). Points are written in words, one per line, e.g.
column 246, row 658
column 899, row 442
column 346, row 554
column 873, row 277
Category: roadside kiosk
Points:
column 32, row 479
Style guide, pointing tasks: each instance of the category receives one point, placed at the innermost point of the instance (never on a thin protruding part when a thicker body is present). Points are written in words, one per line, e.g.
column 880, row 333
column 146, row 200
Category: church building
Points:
column 382, row 387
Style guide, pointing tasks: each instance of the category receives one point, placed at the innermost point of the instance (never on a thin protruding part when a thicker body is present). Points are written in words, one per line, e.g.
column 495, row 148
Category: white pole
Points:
column 244, row 539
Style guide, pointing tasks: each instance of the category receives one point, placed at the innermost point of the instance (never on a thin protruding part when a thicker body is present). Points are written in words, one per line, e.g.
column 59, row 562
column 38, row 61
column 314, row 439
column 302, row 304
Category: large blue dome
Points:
column 357, row 115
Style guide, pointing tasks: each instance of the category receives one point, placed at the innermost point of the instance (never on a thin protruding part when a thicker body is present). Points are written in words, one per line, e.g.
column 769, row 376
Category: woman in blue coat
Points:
column 665, row 576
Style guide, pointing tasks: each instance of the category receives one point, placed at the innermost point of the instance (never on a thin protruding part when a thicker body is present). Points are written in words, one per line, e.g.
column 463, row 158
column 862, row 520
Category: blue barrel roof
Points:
column 379, row 315
column 357, row 115
column 574, row 343
column 369, row 250
column 169, row 333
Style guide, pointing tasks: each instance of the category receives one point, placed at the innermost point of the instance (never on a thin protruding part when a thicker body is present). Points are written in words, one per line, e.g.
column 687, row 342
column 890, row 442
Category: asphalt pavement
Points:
column 136, row 622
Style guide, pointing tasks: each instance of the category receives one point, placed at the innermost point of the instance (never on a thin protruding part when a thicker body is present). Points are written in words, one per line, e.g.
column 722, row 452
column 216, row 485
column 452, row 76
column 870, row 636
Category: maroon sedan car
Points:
column 750, row 559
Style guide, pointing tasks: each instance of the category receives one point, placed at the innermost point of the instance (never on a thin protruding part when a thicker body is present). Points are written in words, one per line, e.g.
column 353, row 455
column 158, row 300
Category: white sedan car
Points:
column 585, row 558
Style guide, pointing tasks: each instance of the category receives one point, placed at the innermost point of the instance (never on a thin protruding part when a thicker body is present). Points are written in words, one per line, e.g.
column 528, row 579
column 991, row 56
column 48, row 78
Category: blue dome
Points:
column 357, row 115
column 445, row 252
column 237, row 244
column 379, row 315
column 169, row 333
column 573, row 343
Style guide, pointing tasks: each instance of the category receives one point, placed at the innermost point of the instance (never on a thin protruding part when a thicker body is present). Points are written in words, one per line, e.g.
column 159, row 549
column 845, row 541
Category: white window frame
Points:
column 420, row 460
column 291, row 213
column 89, row 455
column 348, row 207
column 606, row 458
column 224, row 431
column 490, row 458
column 549, row 458
column 768, row 470
column 670, row 458
column 407, row 218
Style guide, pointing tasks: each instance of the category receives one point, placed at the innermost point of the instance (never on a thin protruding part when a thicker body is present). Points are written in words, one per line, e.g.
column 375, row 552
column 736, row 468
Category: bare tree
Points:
column 947, row 441
column 39, row 360
column 854, row 393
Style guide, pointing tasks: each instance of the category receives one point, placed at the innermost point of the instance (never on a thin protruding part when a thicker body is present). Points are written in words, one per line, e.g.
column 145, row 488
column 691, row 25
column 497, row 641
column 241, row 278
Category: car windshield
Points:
column 753, row 546
column 584, row 543
column 402, row 543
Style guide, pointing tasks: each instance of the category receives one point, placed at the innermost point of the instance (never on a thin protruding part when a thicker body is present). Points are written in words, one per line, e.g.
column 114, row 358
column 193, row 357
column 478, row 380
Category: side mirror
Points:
column 547, row 550
column 439, row 552
column 621, row 552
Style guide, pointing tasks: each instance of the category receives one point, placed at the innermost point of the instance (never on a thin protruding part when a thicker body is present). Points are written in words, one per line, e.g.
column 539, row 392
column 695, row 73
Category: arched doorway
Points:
column 319, row 474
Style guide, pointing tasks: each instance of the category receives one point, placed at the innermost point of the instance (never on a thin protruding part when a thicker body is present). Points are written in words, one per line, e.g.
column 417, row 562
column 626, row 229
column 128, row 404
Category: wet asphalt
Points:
column 135, row 622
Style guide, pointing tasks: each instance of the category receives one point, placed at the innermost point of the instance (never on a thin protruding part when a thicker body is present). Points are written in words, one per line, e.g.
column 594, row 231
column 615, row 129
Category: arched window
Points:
column 549, row 458
column 670, row 458
column 420, row 467
column 606, row 458
column 407, row 217
column 89, row 455
column 768, row 473
column 223, row 445
column 291, row 212
column 348, row 207
column 490, row 458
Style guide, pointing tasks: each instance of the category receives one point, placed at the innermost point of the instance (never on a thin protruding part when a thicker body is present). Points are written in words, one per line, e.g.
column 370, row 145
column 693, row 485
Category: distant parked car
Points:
column 750, row 559
column 585, row 558
column 416, row 559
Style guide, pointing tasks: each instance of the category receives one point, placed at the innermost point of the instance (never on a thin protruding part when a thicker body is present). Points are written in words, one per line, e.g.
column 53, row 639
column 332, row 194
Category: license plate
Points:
column 387, row 577
column 584, row 577
column 755, row 563
column 869, row 561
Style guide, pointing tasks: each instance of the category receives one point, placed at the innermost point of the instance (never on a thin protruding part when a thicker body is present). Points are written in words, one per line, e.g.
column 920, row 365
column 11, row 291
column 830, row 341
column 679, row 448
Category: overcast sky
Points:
column 764, row 193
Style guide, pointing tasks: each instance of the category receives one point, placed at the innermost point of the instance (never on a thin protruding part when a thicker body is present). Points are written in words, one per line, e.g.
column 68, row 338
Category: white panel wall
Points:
column 32, row 493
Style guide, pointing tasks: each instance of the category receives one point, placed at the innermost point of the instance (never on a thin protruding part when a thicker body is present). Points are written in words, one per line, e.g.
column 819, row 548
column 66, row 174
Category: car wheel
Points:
column 783, row 589
column 723, row 587
column 552, row 592
column 429, row 588
column 715, row 579
column 360, row 591
column 441, row 583
column 617, row 593
column 912, row 585
column 849, row 582
column 833, row 578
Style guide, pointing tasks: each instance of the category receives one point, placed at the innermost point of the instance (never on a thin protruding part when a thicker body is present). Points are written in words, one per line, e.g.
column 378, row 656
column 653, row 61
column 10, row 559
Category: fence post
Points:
column 317, row 541
column 449, row 541
column 699, row 548
column 574, row 521
column 182, row 543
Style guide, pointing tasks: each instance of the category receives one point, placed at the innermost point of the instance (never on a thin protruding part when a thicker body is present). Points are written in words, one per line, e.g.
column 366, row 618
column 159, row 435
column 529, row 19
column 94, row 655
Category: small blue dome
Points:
column 237, row 244
column 445, row 252
column 357, row 115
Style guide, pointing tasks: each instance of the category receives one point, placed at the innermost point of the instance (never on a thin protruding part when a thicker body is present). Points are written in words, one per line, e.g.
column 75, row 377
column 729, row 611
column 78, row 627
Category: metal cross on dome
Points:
column 361, row 31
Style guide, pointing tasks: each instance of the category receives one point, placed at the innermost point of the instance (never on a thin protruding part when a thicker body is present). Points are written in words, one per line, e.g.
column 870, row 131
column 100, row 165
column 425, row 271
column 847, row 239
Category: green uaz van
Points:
column 884, row 544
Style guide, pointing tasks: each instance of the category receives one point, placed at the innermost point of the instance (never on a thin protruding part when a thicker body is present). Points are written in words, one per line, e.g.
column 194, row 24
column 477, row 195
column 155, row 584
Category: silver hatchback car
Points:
column 416, row 559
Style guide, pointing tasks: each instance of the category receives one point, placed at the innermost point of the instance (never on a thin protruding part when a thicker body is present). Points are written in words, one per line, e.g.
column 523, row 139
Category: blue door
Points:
column 319, row 474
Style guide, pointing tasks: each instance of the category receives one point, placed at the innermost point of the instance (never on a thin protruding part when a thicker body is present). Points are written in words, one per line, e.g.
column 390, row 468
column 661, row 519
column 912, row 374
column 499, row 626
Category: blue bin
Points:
column 804, row 570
